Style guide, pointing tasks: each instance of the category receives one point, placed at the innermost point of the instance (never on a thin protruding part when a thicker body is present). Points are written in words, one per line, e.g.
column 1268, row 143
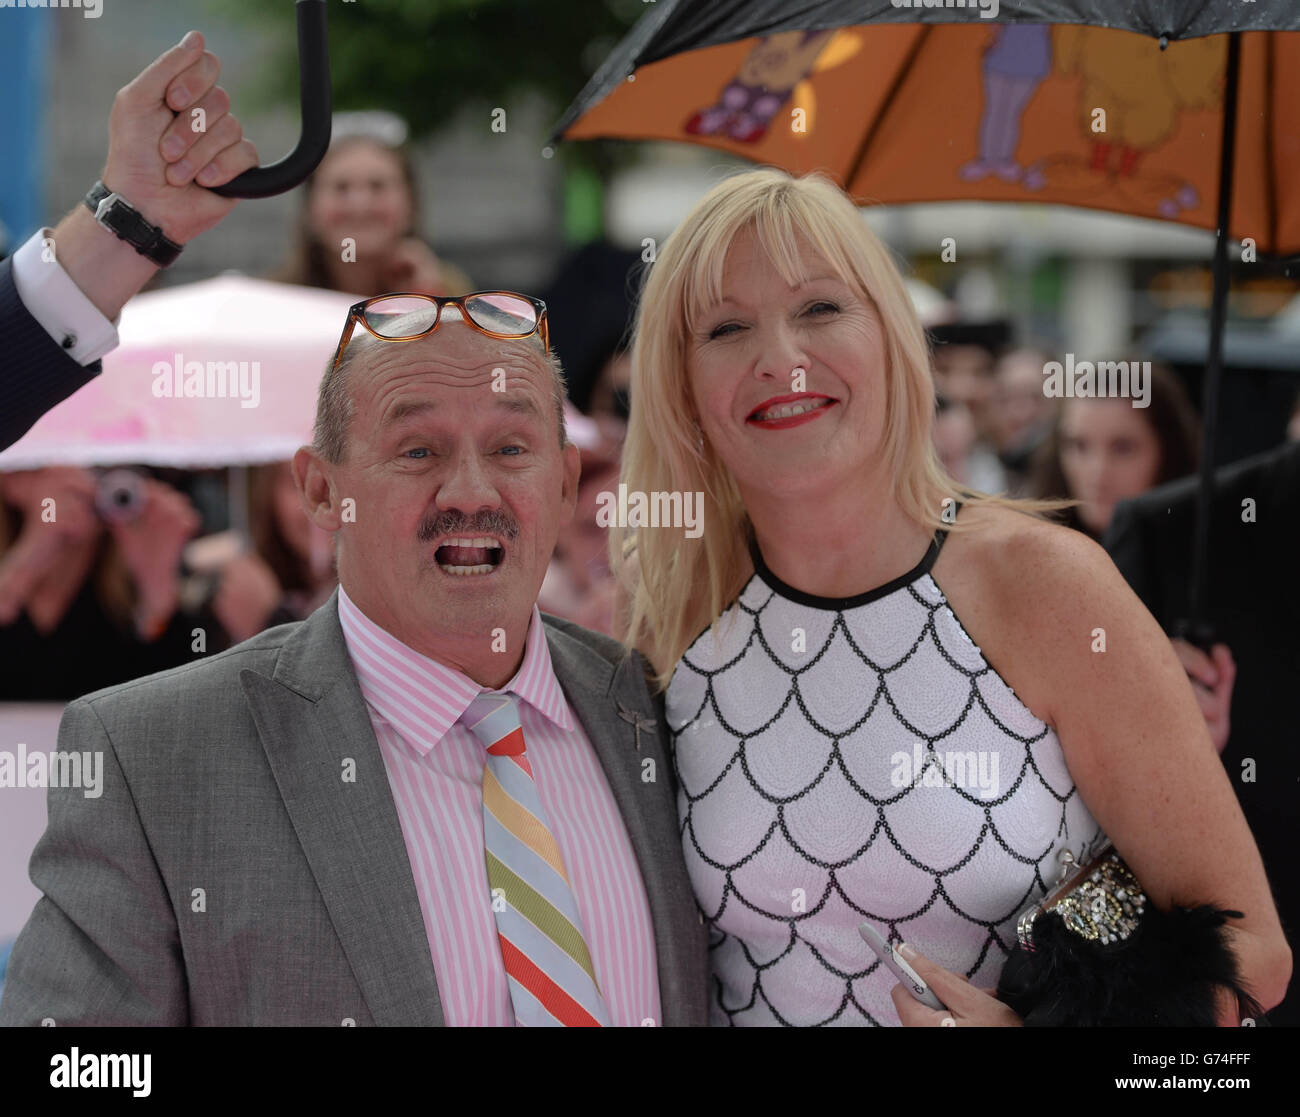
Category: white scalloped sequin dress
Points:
column 804, row 811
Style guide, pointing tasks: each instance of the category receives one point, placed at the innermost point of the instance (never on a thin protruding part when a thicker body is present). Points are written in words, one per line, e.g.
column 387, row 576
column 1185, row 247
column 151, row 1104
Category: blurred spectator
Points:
column 591, row 303
column 578, row 584
column 1022, row 414
column 964, row 360
column 358, row 226
column 1103, row 451
column 89, row 587
column 289, row 571
column 954, row 437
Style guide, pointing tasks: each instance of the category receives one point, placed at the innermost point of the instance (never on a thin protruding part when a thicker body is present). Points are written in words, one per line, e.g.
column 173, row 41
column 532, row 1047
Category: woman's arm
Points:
column 1134, row 739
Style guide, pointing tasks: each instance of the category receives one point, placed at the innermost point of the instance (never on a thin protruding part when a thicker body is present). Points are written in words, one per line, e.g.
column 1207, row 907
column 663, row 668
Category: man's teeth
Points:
column 480, row 568
column 468, row 548
column 788, row 410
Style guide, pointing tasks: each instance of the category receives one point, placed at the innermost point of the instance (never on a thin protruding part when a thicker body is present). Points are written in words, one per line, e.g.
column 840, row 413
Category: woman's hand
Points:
column 967, row 1006
column 247, row 595
column 412, row 266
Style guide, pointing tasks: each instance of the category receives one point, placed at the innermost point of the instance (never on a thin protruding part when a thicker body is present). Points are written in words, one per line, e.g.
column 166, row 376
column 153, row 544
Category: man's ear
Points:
column 572, row 462
column 311, row 473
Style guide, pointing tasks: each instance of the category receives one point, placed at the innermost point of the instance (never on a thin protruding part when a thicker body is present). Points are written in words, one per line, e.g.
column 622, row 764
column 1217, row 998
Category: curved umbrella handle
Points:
column 315, row 100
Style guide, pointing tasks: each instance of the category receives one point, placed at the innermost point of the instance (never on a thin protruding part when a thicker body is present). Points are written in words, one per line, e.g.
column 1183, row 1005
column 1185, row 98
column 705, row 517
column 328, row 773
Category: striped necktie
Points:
column 548, row 965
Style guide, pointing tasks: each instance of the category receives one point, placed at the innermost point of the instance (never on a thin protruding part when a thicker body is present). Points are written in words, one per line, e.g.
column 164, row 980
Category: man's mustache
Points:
column 457, row 523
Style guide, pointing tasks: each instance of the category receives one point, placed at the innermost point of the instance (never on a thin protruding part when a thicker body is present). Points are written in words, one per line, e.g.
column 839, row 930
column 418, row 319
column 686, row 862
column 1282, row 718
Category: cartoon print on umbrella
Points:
column 1143, row 98
column 1015, row 64
column 747, row 104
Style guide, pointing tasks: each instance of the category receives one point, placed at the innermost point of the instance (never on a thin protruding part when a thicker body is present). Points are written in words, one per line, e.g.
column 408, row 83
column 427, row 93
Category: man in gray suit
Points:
column 257, row 855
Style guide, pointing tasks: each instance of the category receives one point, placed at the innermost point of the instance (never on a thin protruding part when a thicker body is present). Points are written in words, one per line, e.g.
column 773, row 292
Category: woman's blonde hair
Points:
column 676, row 587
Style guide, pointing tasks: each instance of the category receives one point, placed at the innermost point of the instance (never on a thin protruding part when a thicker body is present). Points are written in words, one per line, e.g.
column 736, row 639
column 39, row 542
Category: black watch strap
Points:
column 117, row 215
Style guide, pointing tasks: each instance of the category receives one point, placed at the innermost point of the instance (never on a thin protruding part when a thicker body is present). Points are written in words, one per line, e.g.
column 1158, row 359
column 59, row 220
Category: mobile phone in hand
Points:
column 896, row 965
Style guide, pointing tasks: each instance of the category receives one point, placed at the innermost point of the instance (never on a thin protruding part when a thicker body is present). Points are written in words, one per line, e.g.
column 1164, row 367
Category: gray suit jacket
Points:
column 229, row 875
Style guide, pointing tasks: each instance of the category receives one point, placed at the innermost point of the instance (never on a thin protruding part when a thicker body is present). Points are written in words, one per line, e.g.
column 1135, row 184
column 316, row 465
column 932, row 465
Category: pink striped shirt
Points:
column 414, row 703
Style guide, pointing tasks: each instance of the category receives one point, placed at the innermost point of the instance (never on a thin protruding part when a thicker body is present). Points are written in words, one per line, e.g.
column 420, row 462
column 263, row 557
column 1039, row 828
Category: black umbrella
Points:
column 673, row 27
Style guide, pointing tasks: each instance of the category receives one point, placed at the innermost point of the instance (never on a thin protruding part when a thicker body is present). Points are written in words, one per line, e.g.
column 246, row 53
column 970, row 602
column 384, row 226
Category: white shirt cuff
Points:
column 59, row 305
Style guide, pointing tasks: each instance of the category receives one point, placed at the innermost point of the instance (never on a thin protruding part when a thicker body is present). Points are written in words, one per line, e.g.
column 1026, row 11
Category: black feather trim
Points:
column 1163, row 976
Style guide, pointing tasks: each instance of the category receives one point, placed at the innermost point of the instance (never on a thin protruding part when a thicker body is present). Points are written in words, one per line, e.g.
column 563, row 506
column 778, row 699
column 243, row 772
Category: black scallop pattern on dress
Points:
column 799, row 820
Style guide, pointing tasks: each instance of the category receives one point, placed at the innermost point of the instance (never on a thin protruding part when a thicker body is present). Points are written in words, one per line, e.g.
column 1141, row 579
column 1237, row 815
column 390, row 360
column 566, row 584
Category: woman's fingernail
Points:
column 191, row 39
column 172, row 147
column 906, row 950
column 180, row 97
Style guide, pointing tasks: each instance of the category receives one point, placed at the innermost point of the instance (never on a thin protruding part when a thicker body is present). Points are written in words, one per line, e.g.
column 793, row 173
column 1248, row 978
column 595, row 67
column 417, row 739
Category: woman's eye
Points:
column 823, row 308
column 723, row 331
column 420, row 450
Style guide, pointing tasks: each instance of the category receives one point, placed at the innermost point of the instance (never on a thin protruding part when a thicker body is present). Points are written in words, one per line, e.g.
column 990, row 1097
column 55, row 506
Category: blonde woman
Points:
column 892, row 701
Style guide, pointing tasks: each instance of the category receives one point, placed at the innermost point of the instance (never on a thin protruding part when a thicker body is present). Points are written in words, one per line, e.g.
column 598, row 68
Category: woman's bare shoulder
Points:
column 1031, row 594
column 1012, row 548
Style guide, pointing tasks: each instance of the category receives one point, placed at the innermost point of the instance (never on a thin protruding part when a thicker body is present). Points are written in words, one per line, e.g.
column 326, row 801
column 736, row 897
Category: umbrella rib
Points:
column 860, row 155
column 1270, row 159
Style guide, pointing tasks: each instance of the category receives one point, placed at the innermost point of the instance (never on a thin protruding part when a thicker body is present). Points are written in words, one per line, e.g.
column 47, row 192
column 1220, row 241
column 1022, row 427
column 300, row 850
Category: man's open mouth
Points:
column 467, row 555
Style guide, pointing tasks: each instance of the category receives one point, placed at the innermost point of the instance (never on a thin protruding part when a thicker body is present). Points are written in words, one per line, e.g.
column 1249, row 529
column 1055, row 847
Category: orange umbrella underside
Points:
column 1064, row 114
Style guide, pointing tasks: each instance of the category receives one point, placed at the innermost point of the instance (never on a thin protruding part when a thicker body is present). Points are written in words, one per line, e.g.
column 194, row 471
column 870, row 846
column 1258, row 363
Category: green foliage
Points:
column 429, row 59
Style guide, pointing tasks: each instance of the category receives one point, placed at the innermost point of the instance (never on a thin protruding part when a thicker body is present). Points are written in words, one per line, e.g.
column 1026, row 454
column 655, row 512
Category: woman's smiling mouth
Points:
column 781, row 412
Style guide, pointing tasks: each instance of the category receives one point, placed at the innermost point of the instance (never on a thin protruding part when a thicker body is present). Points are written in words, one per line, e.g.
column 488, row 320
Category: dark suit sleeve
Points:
column 36, row 372
column 102, row 946
column 1127, row 547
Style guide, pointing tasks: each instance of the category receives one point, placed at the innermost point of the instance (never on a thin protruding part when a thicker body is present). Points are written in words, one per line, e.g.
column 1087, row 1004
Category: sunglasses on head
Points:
column 408, row 316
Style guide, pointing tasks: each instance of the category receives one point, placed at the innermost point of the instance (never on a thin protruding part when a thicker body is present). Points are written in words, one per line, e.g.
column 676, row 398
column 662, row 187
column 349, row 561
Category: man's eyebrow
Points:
column 523, row 405
column 405, row 410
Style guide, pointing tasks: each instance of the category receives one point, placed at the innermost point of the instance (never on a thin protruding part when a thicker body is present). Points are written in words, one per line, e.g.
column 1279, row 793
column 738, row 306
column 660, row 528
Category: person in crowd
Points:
column 579, row 586
column 90, row 593
column 63, row 290
column 964, row 364
column 1022, row 413
column 425, row 734
column 1102, row 451
column 954, row 438
column 358, row 228
column 848, row 615
column 592, row 299
column 287, row 571
column 1247, row 681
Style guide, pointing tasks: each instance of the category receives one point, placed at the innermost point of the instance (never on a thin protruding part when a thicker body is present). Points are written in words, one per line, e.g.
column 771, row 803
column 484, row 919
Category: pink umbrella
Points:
column 217, row 373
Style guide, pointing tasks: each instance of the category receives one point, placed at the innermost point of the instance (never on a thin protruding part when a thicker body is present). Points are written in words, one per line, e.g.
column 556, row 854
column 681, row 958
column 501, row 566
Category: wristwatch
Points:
column 122, row 219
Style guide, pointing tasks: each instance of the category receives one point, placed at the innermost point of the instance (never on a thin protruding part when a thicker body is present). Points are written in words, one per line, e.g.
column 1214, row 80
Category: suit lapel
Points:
column 326, row 762
column 626, row 731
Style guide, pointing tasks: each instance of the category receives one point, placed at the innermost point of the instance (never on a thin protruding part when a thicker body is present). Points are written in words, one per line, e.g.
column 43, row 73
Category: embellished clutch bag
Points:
column 1095, row 953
